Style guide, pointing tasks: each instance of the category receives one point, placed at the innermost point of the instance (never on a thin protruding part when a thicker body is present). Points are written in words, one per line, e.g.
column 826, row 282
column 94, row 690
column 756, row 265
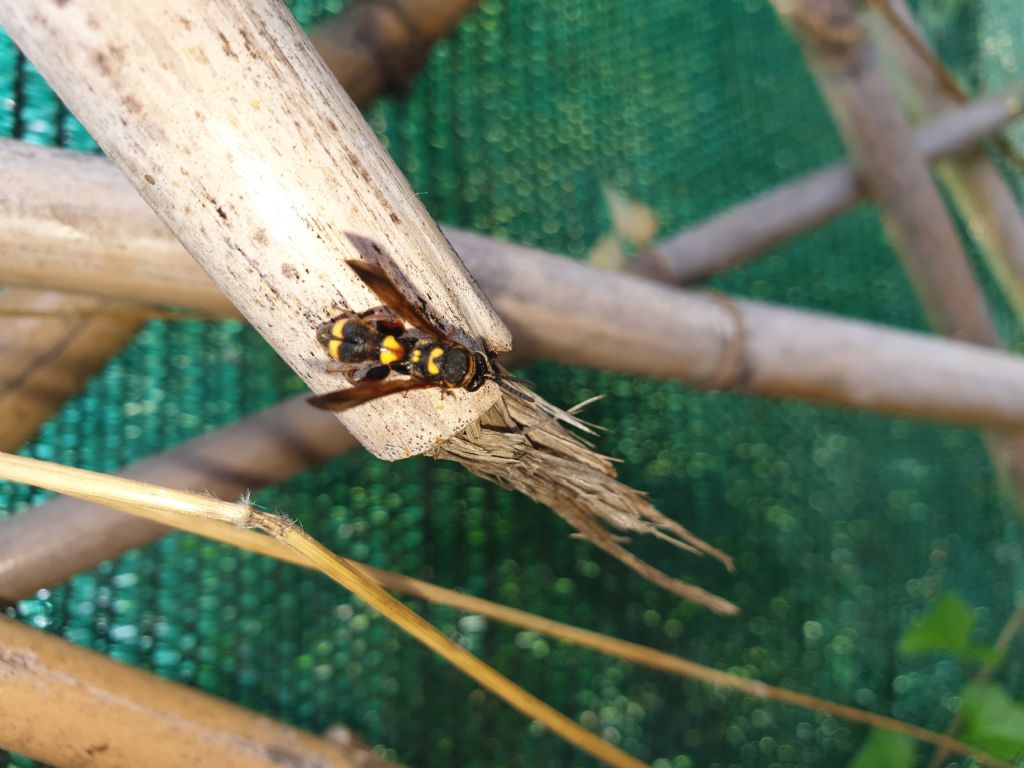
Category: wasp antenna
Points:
column 506, row 385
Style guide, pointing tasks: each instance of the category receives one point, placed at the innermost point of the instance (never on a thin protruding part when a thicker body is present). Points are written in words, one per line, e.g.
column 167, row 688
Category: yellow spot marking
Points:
column 337, row 328
column 435, row 354
column 334, row 349
column 390, row 350
column 416, row 355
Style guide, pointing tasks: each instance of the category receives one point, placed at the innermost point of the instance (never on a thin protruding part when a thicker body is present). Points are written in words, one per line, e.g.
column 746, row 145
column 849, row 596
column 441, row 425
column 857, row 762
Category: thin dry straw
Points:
column 149, row 500
column 606, row 644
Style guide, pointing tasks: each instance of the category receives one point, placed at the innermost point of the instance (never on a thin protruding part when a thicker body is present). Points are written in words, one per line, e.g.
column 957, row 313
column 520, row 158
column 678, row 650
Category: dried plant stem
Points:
column 606, row 644
column 523, row 447
column 220, row 189
column 361, row 46
column 353, row 578
column 155, row 502
column 70, row 706
column 374, row 47
column 899, row 18
column 918, row 224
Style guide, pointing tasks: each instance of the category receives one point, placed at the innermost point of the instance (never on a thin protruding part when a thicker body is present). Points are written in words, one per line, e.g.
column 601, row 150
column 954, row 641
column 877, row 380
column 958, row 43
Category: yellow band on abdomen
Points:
column 435, row 354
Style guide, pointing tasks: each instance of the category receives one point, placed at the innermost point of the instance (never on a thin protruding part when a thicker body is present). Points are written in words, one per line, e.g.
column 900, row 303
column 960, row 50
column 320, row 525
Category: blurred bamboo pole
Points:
column 717, row 342
column 375, row 47
column 63, row 537
column 47, row 360
column 984, row 199
column 880, row 141
column 360, row 46
column 66, row 705
column 749, row 228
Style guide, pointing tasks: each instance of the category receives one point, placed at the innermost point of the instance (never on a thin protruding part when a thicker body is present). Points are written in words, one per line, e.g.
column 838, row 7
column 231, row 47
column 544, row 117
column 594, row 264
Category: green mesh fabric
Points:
column 843, row 525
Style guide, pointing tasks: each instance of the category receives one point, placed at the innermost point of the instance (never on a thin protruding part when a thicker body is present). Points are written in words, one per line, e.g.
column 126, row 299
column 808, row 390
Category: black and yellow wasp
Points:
column 397, row 338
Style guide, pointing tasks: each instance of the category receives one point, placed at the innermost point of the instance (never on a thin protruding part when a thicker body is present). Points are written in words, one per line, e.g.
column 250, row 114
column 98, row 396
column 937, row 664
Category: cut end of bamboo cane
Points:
column 523, row 446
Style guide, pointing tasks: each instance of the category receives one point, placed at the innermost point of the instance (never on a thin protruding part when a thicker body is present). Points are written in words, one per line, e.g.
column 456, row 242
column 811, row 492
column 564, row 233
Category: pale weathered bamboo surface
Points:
column 270, row 183
column 69, row 706
column 360, row 54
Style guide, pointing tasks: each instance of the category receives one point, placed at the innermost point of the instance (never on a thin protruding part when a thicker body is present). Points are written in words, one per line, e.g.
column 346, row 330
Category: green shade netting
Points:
column 843, row 525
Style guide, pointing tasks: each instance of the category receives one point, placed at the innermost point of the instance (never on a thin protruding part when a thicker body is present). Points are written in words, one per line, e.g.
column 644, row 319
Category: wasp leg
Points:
column 357, row 372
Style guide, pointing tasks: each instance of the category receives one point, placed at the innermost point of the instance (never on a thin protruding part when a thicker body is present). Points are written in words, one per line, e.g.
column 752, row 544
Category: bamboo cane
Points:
column 550, row 302
column 44, row 360
column 272, row 181
column 360, row 45
column 379, row 47
column 632, row 652
column 271, row 187
column 869, row 118
column 163, row 504
column 70, row 706
column 986, row 202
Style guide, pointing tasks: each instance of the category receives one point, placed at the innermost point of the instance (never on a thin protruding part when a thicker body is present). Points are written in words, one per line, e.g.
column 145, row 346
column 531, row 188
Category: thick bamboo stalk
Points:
column 379, row 47
column 61, row 538
column 752, row 227
column 44, row 362
column 75, row 215
column 69, row 706
column 986, row 202
column 712, row 341
column 360, row 49
column 272, row 180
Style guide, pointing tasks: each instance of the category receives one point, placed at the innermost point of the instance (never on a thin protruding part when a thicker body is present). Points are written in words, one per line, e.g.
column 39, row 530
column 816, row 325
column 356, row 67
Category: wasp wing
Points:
column 365, row 391
column 388, row 292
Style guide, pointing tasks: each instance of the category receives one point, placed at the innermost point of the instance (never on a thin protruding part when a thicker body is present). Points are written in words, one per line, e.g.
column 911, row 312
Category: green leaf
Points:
column 992, row 720
column 946, row 626
column 884, row 749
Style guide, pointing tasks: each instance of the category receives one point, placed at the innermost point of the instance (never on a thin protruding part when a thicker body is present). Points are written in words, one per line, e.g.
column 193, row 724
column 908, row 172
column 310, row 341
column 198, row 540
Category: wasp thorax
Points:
column 455, row 365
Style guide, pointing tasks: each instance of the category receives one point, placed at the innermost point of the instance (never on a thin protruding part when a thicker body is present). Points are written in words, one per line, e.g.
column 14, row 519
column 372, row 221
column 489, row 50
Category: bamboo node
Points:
column 732, row 369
